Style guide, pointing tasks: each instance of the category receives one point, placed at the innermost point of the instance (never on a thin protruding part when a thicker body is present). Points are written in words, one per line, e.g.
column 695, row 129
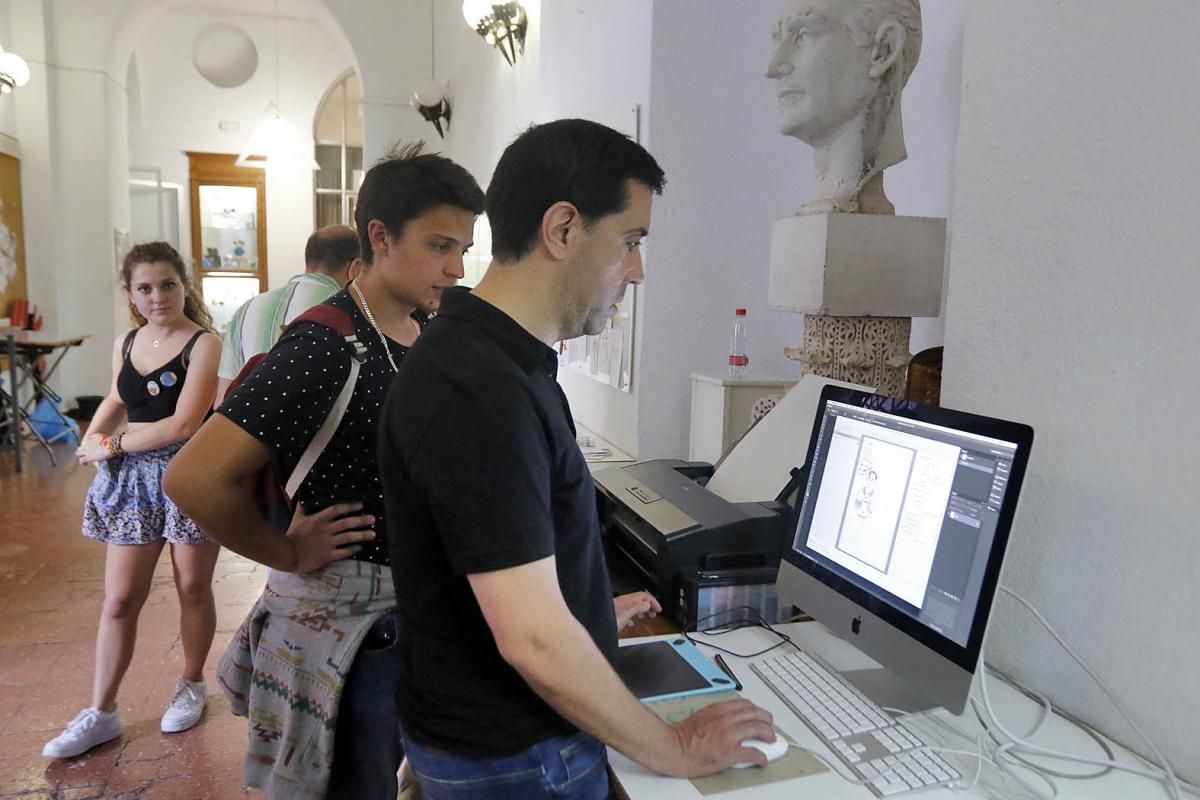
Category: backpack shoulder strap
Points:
column 250, row 365
column 340, row 322
column 329, row 316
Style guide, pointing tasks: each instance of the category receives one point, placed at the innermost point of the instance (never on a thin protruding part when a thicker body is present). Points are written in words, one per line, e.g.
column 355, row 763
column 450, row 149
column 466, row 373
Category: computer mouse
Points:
column 772, row 750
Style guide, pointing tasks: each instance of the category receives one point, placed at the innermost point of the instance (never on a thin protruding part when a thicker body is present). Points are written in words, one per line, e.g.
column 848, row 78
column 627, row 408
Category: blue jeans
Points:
column 367, row 749
column 574, row 767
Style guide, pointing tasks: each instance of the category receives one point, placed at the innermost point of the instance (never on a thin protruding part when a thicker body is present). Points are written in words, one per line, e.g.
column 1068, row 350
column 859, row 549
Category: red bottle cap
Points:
column 741, row 312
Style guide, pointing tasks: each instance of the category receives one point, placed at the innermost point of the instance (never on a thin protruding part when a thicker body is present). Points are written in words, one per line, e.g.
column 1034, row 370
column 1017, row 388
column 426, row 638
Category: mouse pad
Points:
column 655, row 671
column 795, row 764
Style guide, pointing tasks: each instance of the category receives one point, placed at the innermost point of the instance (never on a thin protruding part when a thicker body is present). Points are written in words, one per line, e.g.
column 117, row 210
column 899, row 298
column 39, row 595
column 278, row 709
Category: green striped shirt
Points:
column 257, row 324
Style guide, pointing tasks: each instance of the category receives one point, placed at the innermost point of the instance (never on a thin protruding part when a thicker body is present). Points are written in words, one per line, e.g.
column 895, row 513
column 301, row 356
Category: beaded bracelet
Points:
column 112, row 443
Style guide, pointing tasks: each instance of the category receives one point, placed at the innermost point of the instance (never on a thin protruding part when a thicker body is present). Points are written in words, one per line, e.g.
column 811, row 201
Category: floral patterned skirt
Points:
column 126, row 504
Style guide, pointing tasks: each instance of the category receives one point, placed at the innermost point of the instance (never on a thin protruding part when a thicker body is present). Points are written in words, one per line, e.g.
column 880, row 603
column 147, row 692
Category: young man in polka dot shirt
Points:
column 328, row 611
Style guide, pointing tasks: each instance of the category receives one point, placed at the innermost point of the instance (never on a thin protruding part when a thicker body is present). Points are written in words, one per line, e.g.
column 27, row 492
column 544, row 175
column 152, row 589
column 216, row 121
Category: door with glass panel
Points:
column 229, row 232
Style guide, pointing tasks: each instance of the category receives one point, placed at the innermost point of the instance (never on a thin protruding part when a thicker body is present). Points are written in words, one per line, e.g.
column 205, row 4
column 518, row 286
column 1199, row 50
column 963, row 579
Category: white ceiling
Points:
column 310, row 10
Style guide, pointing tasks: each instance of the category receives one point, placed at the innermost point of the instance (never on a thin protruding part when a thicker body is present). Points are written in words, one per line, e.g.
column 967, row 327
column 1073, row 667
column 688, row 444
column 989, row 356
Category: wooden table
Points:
column 28, row 346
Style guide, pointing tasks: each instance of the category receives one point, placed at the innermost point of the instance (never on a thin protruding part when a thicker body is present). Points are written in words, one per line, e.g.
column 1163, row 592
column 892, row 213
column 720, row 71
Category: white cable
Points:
column 1163, row 774
column 912, row 717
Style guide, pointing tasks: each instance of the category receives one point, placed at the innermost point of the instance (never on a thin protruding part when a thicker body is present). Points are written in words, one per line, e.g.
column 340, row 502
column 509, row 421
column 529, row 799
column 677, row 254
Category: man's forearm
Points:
column 229, row 514
column 569, row 672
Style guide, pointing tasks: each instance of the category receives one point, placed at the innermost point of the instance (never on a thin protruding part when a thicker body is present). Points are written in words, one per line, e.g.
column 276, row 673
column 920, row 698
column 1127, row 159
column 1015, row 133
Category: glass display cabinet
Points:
column 229, row 232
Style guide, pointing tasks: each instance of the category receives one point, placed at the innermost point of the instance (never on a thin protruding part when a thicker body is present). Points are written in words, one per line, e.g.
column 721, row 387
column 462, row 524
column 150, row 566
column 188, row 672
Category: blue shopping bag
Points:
column 49, row 421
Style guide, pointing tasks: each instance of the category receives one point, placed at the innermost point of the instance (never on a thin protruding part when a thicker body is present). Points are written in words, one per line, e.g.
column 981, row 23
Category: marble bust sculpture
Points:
column 840, row 67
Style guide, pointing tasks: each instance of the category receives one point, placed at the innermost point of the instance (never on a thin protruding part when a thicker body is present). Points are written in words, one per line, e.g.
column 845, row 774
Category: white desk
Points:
column 599, row 453
column 1017, row 713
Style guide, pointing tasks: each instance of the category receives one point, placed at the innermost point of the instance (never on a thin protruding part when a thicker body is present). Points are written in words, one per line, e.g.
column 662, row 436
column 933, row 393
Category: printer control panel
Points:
column 642, row 493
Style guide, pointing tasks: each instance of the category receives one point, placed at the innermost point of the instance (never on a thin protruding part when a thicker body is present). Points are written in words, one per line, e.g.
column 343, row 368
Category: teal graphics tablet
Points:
column 668, row 668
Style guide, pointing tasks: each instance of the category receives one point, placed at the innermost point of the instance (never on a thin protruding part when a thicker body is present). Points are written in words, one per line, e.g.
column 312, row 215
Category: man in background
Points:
column 331, row 260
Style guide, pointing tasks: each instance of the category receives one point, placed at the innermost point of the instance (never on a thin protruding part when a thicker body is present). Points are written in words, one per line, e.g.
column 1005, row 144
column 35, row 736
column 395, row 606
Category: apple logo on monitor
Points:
column 856, row 625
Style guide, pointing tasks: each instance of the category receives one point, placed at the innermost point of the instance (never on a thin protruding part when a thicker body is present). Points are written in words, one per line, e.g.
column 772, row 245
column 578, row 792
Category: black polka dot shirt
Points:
column 284, row 402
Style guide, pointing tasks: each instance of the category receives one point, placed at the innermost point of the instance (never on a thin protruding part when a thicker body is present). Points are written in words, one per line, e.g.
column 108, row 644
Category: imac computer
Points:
column 902, row 522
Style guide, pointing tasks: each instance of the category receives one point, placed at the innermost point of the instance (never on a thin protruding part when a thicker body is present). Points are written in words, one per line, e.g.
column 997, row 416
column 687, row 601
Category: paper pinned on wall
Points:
column 616, row 344
column 759, row 465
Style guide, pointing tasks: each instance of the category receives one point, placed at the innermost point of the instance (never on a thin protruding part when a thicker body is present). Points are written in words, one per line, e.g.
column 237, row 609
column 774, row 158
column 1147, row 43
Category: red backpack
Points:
column 273, row 490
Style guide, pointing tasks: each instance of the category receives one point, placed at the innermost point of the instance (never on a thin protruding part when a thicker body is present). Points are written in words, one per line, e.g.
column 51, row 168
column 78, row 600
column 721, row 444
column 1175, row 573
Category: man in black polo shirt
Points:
column 508, row 621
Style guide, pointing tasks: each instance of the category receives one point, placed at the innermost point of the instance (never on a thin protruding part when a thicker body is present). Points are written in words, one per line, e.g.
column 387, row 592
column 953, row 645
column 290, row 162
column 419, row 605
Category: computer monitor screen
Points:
column 903, row 519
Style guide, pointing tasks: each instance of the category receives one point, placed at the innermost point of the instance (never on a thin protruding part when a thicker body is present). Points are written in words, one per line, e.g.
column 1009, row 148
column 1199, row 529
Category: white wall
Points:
column 588, row 58
column 69, row 119
column 72, row 122
column 1072, row 307
column 8, row 110
column 391, row 43
column 180, row 111
column 730, row 173
column 491, row 102
column 595, row 64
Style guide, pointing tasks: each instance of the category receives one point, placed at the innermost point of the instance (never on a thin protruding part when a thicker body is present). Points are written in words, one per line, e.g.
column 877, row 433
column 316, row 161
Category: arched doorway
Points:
column 338, row 137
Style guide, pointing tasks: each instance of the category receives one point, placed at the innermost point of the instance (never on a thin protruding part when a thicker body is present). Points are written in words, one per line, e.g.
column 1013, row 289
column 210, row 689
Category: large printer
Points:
column 708, row 539
column 658, row 518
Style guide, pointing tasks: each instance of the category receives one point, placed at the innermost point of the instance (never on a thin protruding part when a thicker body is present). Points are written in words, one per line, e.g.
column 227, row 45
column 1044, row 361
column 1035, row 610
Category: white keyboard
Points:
column 877, row 748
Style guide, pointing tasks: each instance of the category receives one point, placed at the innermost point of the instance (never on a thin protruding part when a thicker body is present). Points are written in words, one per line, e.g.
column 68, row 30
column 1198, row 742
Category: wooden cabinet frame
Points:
column 220, row 169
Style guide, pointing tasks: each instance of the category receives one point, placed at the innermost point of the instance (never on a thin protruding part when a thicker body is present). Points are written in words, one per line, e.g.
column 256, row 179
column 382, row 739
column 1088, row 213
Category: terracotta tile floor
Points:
column 51, row 586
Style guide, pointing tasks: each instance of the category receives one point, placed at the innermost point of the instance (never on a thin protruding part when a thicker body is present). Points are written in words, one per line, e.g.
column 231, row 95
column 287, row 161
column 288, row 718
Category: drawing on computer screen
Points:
column 864, row 502
column 871, row 518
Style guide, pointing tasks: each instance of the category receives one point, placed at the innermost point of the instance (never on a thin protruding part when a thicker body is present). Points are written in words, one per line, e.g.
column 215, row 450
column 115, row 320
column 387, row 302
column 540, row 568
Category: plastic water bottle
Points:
column 738, row 360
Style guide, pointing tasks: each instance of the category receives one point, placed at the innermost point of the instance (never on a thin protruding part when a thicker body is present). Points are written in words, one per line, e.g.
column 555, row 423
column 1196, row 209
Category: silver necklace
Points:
column 371, row 319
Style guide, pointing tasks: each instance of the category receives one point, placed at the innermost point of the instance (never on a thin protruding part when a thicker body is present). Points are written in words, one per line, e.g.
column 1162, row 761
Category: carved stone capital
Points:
column 872, row 351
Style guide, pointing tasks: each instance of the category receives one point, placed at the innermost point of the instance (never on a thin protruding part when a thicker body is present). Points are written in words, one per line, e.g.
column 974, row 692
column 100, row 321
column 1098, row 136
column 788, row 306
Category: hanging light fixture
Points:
column 276, row 140
column 502, row 25
column 430, row 97
column 431, row 101
column 14, row 72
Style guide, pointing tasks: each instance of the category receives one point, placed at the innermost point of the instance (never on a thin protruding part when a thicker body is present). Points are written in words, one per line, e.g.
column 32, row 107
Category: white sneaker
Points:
column 187, row 706
column 89, row 728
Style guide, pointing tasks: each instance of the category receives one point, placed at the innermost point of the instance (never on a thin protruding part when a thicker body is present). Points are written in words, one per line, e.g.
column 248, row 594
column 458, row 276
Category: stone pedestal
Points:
column 858, row 279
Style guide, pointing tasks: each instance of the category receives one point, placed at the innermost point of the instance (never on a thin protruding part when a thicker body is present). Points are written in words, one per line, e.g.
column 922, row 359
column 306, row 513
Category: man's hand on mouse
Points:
column 713, row 738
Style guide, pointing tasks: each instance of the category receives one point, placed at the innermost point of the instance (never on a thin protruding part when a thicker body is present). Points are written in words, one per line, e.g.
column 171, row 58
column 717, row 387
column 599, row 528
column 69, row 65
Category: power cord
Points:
column 1047, row 707
column 983, row 755
column 1162, row 771
column 751, row 618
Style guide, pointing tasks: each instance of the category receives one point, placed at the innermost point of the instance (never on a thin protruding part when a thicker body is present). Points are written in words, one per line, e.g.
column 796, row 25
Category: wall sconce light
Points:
column 14, row 72
column 431, row 101
column 502, row 25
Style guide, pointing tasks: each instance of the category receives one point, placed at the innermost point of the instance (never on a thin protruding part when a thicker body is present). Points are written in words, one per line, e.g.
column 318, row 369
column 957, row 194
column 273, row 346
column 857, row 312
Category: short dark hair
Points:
column 574, row 160
column 331, row 248
column 406, row 183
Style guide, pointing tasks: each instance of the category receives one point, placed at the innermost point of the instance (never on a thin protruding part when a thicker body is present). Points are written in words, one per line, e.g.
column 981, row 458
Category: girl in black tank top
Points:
column 125, row 505
column 153, row 396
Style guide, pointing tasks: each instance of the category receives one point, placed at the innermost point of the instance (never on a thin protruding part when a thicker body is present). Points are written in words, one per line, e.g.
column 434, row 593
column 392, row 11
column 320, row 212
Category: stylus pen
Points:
column 725, row 668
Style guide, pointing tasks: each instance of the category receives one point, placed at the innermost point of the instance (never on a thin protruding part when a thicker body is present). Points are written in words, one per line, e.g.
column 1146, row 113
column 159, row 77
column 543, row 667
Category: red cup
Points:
column 20, row 313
